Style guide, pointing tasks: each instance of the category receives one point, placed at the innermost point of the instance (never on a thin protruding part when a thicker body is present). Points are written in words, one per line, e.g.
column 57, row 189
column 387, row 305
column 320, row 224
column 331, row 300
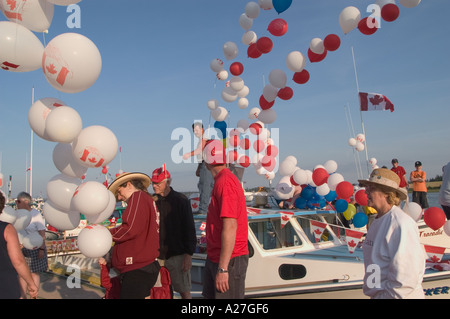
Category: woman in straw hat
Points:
column 394, row 259
column 136, row 241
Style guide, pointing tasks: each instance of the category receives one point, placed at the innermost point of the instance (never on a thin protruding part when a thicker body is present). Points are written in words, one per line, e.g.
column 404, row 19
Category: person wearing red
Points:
column 136, row 240
column 400, row 171
column 226, row 230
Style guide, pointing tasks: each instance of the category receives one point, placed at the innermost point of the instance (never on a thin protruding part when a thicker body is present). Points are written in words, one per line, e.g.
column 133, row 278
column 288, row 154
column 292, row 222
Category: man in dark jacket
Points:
column 177, row 232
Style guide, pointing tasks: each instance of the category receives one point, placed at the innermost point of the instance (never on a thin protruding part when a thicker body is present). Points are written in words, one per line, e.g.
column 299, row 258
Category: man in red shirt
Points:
column 226, row 230
column 400, row 171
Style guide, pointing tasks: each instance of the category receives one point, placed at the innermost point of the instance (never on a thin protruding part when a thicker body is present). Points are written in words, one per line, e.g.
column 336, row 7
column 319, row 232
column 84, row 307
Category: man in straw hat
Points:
column 136, row 241
column 394, row 259
column 226, row 230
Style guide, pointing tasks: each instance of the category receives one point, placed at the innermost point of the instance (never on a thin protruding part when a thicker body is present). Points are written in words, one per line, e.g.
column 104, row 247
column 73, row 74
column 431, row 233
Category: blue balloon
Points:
column 300, row 203
column 331, row 196
column 281, row 5
column 308, row 192
column 360, row 220
column 221, row 126
column 341, row 205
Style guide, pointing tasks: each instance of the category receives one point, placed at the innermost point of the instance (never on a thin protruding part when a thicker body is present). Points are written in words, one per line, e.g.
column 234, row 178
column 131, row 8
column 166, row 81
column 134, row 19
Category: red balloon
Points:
column 232, row 156
column 293, row 182
column 264, row 45
column 390, row 12
column 253, row 51
column 332, row 42
column 314, row 57
column 268, row 162
column 236, row 68
column 361, row 197
column 264, row 104
column 272, row 150
column 320, row 176
column 367, row 26
column 244, row 161
column 255, row 128
column 434, row 217
column 301, row 77
column 344, row 190
column 285, row 93
column 234, row 140
column 259, row 146
column 278, row 27
column 245, row 144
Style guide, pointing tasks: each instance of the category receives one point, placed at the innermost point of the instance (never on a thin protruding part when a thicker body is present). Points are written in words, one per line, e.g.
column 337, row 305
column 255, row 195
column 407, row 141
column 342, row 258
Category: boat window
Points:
column 271, row 235
column 305, row 224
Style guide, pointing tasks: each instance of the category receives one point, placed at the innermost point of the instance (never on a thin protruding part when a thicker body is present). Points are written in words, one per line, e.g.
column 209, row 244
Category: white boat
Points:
column 287, row 261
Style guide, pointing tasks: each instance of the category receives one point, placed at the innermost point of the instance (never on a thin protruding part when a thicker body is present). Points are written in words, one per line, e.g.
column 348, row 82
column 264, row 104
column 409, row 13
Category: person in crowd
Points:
column 226, row 230
column 206, row 181
column 444, row 192
column 136, row 240
column 418, row 178
column 36, row 258
column 400, row 171
column 177, row 237
column 12, row 262
column 394, row 259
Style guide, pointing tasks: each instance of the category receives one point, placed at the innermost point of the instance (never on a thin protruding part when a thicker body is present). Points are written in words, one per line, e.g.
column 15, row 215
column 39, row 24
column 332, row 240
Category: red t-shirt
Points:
column 227, row 201
column 400, row 171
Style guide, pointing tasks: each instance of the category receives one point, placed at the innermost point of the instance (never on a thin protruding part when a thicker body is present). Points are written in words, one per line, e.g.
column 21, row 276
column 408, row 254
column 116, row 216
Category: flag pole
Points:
column 31, row 151
column 360, row 112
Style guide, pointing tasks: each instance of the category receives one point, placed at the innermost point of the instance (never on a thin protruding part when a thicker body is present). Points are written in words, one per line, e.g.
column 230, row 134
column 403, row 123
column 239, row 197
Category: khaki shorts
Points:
column 181, row 280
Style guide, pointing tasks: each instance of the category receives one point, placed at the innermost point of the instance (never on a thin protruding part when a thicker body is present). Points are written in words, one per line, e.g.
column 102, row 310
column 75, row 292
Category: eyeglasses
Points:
column 18, row 201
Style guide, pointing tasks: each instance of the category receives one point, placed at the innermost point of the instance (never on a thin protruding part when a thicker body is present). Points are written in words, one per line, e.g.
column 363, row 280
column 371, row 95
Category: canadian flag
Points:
column 318, row 228
column 352, row 237
column 434, row 253
column 285, row 216
column 375, row 102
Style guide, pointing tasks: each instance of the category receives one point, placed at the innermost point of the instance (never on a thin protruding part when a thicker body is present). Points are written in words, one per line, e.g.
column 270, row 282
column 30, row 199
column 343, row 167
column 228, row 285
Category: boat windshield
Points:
column 305, row 224
column 272, row 235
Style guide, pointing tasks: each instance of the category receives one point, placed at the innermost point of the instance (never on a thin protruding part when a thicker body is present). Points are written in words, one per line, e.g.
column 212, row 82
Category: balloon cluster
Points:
column 434, row 217
column 20, row 219
column 357, row 142
column 71, row 63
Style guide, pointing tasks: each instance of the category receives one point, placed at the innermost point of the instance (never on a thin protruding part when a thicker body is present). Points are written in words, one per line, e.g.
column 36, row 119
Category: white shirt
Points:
column 444, row 193
column 394, row 259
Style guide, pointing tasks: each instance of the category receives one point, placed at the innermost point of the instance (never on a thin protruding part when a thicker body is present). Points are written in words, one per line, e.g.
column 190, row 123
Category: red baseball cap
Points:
column 159, row 175
column 214, row 152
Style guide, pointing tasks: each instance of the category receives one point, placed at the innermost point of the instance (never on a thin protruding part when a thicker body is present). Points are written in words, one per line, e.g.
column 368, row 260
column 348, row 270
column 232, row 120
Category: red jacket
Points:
column 136, row 241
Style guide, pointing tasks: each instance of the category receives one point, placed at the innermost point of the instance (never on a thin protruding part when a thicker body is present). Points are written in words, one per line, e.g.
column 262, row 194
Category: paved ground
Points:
column 55, row 286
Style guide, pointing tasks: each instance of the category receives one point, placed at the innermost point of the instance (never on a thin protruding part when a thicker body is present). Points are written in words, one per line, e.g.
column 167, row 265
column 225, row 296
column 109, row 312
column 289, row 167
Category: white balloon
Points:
column 35, row 15
column 216, row 65
column 296, row 61
column 90, row 198
column 447, row 227
column 414, row 210
column 323, row 189
column 60, row 190
column 8, row 215
column 213, row 104
column 360, row 137
column 243, row 125
column 222, row 75
column 32, row 241
column 252, row 10
column 291, row 158
column 66, row 163
column 278, row 78
column 287, row 167
column 94, row 241
column 253, row 114
column 267, row 116
column 23, row 219
column 219, row 114
column 71, row 63
column 236, row 83
column 59, row 219
column 97, row 219
column 270, row 92
column 21, row 50
column 330, row 166
column 359, row 146
column 352, row 141
column 63, row 124
column 95, row 146
column 349, row 19
column 243, row 92
column 334, row 180
column 38, row 113
column 300, row 176
column 229, row 95
column 245, row 22
column 230, row 50
column 409, row 3
column 316, row 45
column 243, row 103
column 265, row 4
column 373, row 161
column 63, row 2
column 249, row 37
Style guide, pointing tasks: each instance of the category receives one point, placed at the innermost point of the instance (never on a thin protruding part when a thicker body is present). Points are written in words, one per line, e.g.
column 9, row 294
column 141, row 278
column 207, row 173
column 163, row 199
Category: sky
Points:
column 156, row 78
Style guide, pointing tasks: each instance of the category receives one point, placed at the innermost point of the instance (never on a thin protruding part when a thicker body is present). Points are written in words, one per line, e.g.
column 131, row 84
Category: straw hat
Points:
column 386, row 180
column 126, row 177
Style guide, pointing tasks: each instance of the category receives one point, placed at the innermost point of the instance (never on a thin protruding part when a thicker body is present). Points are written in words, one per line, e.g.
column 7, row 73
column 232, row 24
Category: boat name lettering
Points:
column 428, row 234
column 436, row 291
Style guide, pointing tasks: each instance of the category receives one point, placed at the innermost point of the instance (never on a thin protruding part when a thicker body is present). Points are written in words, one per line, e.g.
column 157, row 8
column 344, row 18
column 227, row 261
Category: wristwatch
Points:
column 221, row 270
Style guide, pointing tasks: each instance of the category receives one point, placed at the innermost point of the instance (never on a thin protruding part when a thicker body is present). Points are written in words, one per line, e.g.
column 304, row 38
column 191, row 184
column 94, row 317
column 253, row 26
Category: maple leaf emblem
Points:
column 352, row 244
column 317, row 231
column 194, row 205
column 11, row 4
column 376, row 100
column 285, row 218
column 434, row 259
column 51, row 69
